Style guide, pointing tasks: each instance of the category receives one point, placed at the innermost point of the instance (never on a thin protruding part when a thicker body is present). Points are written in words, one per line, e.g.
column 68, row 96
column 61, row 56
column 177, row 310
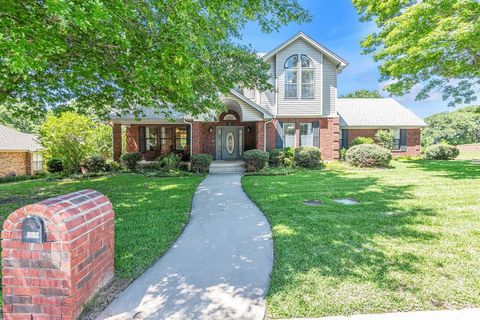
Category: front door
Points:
column 229, row 142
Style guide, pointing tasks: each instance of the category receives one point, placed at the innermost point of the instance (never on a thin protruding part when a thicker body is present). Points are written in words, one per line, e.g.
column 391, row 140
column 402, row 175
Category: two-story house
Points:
column 301, row 110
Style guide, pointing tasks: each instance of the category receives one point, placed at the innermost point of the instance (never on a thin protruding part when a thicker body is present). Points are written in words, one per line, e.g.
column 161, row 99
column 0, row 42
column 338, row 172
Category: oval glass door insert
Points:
column 230, row 143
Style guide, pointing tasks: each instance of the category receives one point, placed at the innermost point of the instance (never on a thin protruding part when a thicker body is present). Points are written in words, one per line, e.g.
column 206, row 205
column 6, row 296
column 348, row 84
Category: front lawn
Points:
column 149, row 212
column 413, row 242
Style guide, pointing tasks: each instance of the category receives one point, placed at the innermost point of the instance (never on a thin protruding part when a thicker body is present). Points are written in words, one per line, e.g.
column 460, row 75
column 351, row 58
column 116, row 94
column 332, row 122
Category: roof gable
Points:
column 341, row 63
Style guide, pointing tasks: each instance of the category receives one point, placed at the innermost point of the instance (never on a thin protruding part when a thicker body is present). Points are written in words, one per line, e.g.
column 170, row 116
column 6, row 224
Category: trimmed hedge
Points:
column 201, row 162
column 55, row 165
column 94, row 164
column 131, row 159
column 308, row 157
column 368, row 155
column 255, row 159
column 361, row 140
column 167, row 162
column 441, row 151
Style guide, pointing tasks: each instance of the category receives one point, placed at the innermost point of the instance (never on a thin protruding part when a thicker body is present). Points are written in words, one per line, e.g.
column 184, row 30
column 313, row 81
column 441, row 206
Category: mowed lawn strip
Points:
column 149, row 212
column 411, row 244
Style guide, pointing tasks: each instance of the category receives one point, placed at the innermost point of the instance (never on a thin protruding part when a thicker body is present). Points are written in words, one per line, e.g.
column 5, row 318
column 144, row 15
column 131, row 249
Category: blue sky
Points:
column 335, row 24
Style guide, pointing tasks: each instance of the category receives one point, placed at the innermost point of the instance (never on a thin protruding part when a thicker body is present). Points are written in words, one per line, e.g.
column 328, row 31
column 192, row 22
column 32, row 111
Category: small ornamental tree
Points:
column 384, row 138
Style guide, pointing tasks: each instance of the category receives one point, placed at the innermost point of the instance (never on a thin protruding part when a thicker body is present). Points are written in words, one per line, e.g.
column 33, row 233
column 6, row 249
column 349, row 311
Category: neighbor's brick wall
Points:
column 117, row 141
column 18, row 162
column 54, row 279
column 414, row 147
column 329, row 134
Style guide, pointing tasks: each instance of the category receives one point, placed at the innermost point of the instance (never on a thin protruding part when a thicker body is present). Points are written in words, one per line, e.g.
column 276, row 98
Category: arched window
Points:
column 306, row 81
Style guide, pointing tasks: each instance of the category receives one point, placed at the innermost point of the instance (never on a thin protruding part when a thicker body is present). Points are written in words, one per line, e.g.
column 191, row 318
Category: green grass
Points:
column 149, row 212
column 411, row 244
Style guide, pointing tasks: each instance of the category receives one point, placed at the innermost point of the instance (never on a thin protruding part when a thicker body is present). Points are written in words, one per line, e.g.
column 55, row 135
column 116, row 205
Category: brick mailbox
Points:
column 56, row 255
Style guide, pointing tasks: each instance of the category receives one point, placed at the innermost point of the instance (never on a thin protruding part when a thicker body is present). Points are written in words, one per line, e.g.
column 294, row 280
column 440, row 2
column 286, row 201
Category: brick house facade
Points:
column 302, row 109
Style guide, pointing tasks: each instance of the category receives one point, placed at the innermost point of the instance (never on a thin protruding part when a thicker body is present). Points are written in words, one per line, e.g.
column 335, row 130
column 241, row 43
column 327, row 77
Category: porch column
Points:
column 260, row 135
column 196, row 141
column 117, row 141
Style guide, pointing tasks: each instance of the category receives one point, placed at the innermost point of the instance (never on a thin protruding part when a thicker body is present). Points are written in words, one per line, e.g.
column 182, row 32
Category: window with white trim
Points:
column 306, row 134
column 299, row 86
column 37, row 162
column 289, row 135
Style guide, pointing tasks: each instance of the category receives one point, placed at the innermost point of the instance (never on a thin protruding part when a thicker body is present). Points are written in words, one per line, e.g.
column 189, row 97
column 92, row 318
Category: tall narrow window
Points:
column 151, row 137
column 166, row 140
column 142, row 139
column 291, row 77
column 396, row 139
column 306, row 134
column 181, row 139
column 289, row 135
column 307, row 77
column 37, row 162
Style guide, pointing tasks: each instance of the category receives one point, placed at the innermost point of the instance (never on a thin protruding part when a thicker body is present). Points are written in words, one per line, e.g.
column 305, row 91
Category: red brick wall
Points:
column 15, row 162
column 329, row 134
column 414, row 147
column 117, row 141
column 54, row 279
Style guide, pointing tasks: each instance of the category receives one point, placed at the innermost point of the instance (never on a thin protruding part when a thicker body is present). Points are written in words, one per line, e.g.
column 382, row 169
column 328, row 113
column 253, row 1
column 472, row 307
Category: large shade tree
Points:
column 120, row 55
column 431, row 44
column 363, row 93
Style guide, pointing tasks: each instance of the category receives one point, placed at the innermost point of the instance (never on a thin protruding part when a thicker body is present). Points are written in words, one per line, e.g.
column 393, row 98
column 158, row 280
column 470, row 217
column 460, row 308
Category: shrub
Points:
column 275, row 157
column 342, row 154
column 255, row 159
column 131, row 159
column 55, row 165
column 368, row 155
column 361, row 140
column 441, row 151
column 384, row 138
column 308, row 157
column 94, row 164
column 113, row 166
column 168, row 162
column 201, row 162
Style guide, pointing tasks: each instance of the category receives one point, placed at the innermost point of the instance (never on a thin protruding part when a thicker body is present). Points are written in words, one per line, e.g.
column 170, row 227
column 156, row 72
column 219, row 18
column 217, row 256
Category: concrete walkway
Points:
column 218, row 268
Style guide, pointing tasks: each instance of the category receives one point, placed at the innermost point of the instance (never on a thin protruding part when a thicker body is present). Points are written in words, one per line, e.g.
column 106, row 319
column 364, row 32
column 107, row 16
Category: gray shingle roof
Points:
column 13, row 140
column 376, row 113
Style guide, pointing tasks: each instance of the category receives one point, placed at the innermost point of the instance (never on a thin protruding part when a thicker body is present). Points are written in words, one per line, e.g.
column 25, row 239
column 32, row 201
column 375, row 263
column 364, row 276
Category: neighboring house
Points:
column 19, row 153
column 303, row 109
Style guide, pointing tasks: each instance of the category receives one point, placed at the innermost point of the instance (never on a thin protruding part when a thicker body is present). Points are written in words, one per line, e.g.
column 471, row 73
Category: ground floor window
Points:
column 181, row 139
column 166, row 140
column 151, row 139
column 396, row 139
column 37, row 161
column 306, row 134
column 289, row 135
column 161, row 140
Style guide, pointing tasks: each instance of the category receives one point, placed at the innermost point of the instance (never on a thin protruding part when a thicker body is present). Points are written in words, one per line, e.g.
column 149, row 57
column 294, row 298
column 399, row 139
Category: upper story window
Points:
column 299, row 77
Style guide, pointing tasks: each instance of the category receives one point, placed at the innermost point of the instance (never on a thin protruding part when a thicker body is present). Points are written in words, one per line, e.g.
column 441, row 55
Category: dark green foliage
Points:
column 441, row 151
column 368, row 155
column 201, row 162
column 255, row 159
column 167, row 162
column 131, row 159
column 461, row 126
column 308, row 157
column 22, row 178
column 384, row 138
column 342, row 154
column 363, row 93
column 113, row 166
column 94, row 164
column 122, row 55
column 361, row 140
column 55, row 165
column 275, row 158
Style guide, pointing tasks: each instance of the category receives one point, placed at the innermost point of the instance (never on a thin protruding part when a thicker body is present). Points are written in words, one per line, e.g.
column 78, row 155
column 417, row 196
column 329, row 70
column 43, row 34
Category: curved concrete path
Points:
column 218, row 268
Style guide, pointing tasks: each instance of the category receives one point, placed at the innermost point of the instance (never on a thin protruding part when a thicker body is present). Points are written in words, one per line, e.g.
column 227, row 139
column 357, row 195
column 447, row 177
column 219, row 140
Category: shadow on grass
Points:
column 340, row 242
column 455, row 169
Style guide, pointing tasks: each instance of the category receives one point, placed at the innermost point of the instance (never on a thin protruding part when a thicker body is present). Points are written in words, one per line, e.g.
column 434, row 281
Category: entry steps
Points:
column 227, row 166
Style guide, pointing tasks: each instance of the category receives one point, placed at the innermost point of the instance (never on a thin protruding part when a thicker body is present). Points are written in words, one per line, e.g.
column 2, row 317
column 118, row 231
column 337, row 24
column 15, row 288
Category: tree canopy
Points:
column 363, row 93
column 432, row 45
column 458, row 127
column 121, row 55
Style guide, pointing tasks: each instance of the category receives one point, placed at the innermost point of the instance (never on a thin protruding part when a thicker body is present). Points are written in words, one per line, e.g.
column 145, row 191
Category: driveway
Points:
column 218, row 268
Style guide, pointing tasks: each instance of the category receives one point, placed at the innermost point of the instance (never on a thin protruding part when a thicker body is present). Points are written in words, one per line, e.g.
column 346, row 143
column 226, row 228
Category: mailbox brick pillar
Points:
column 54, row 279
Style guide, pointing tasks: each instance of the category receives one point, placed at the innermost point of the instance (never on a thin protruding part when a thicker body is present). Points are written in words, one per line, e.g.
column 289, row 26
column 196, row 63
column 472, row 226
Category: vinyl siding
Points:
column 247, row 112
column 267, row 98
column 329, row 87
column 298, row 106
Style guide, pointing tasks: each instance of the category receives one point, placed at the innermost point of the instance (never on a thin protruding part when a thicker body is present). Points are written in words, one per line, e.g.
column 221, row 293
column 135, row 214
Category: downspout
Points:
column 191, row 135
